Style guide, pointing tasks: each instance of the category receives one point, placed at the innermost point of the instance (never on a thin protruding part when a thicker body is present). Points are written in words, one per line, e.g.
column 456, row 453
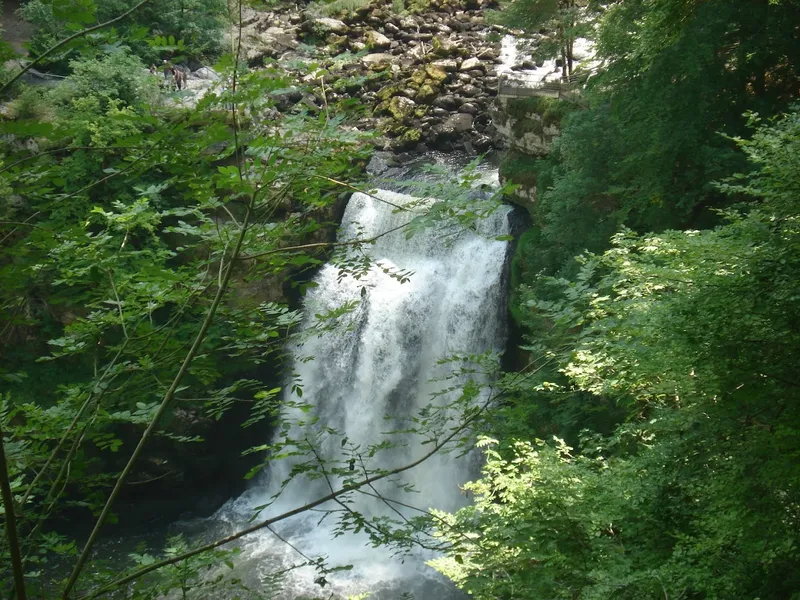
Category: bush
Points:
column 31, row 104
column 117, row 77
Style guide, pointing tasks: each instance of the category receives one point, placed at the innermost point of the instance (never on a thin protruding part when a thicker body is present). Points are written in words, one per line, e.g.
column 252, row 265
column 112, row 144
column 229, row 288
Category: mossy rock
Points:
column 337, row 42
column 438, row 74
column 426, row 93
column 418, row 77
column 411, row 136
column 391, row 127
column 389, row 91
column 551, row 110
column 520, row 168
column 444, row 49
column 532, row 124
column 401, row 108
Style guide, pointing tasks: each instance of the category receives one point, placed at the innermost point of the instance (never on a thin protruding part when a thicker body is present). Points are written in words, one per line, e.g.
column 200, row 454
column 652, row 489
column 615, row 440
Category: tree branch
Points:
column 66, row 41
column 323, row 244
column 523, row 374
column 169, row 395
column 296, row 511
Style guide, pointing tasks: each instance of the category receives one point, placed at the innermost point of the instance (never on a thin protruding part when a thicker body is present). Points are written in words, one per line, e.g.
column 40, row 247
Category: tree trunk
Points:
column 11, row 526
column 570, row 47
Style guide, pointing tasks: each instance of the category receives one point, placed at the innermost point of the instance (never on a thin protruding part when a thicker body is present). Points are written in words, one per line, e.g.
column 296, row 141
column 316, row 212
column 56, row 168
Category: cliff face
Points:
column 528, row 125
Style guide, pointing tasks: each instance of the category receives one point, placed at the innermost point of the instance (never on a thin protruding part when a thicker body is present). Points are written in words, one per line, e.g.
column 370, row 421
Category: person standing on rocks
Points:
column 180, row 77
column 169, row 73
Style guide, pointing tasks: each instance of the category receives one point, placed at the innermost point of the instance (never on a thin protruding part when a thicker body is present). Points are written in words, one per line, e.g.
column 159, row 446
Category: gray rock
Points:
column 472, row 63
column 273, row 42
column 207, row 74
column 448, row 64
column 408, row 24
column 447, row 102
column 380, row 163
column 459, row 122
column 328, row 25
column 377, row 61
column 377, row 40
column 469, row 108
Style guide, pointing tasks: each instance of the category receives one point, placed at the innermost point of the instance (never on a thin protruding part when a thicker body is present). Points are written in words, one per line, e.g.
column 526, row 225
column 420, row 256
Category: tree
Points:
column 563, row 20
column 693, row 492
column 194, row 26
column 127, row 225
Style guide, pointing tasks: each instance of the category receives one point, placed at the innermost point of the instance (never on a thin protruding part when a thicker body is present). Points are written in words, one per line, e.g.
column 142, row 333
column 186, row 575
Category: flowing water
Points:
column 379, row 362
column 514, row 51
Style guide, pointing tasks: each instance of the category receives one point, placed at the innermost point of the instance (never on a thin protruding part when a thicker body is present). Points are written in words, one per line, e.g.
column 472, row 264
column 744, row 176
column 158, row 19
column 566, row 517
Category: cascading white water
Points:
column 380, row 362
column 514, row 50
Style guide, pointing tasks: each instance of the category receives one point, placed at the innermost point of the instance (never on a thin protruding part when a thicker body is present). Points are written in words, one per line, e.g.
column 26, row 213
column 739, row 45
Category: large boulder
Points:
column 377, row 41
column 207, row 74
column 271, row 43
column 459, row 122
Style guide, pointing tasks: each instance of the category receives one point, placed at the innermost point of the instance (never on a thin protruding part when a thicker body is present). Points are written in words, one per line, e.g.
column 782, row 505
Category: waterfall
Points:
column 380, row 361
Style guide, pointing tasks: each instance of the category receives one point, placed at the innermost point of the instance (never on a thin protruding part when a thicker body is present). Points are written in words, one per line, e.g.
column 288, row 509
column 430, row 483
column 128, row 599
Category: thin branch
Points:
column 523, row 374
column 66, row 41
column 11, row 524
column 168, row 396
column 25, row 222
column 360, row 191
column 382, row 499
column 323, row 244
column 201, row 334
column 119, row 304
column 68, row 149
column 73, row 424
column 296, row 511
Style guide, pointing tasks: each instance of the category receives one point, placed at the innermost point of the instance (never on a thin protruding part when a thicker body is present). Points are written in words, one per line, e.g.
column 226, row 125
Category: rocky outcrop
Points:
column 529, row 126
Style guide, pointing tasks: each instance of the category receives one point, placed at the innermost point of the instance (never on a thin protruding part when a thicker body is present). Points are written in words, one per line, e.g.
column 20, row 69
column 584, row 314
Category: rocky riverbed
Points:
column 428, row 79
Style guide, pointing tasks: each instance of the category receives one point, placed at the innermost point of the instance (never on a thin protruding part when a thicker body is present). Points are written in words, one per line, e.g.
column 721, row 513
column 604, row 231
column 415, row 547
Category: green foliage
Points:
column 31, row 104
column 645, row 149
column 118, row 235
column 116, row 78
column 692, row 492
column 147, row 250
column 196, row 24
